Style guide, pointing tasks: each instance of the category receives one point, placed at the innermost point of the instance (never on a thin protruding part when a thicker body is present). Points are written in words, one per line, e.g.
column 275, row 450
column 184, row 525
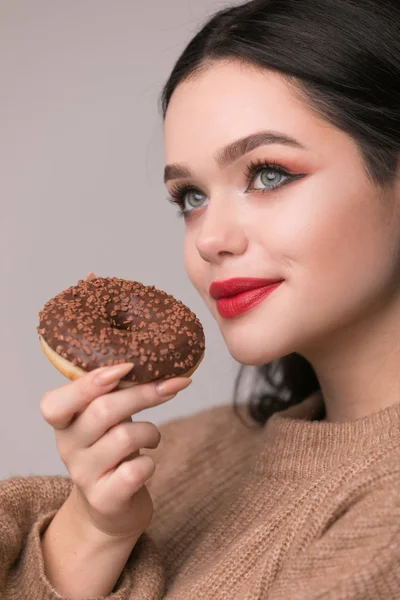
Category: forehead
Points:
column 227, row 101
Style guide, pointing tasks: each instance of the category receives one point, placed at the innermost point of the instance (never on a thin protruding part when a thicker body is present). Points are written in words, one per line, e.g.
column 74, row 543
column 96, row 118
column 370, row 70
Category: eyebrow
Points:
column 227, row 155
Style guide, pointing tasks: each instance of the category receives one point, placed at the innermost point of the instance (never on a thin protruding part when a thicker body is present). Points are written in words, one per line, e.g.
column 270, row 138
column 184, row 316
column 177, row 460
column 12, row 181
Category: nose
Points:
column 221, row 233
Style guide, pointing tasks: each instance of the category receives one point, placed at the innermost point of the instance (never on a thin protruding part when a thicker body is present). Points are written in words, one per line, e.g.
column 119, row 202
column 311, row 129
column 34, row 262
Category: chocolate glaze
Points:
column 107, row 321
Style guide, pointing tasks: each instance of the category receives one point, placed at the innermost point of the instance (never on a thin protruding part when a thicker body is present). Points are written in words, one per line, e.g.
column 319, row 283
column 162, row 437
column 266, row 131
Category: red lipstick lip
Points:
column 237, row 285
column 233, row 306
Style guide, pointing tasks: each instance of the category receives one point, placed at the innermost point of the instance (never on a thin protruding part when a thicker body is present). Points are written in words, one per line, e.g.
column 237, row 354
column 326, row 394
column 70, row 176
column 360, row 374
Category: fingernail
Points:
column 172, row 386
column 111, row 374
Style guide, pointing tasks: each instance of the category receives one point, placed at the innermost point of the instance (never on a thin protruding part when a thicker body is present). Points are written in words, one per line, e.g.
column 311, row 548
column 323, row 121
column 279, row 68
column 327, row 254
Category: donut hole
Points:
column 120, row 322
column 122, row 316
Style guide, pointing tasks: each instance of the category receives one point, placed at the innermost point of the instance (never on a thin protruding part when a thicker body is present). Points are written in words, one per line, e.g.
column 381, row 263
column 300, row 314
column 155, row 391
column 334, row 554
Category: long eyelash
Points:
column 180, row 212
column 177, row 194
column 256, row 167
column 179, row 190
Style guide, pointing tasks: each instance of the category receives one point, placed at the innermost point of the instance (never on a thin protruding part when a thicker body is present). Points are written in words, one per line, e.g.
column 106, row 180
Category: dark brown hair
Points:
column 344, row 57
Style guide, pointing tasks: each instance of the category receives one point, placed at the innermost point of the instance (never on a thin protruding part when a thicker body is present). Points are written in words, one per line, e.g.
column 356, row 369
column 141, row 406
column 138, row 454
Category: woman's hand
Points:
column 100, row 446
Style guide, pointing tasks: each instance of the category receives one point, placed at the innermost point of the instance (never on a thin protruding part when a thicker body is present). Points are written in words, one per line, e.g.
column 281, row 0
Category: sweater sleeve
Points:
column 27, row 505
column 356, row 557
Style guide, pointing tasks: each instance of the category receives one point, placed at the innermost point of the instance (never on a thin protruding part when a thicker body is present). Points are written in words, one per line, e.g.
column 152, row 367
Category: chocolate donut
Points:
column 107, row 321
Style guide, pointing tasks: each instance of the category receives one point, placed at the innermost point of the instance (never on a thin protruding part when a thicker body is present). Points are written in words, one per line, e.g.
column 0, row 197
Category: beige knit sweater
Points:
column 299, row 509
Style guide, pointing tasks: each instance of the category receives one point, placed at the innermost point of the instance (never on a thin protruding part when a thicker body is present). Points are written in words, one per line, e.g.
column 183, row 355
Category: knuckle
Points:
column 135, row 472
column 123, row 435
column 129, row 473
column 149, row 394
column 46, row 405
column 101, row 409
column 85, row 384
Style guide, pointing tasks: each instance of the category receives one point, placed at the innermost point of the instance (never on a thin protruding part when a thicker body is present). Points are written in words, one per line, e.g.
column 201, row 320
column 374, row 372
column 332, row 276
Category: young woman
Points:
column 282, row 137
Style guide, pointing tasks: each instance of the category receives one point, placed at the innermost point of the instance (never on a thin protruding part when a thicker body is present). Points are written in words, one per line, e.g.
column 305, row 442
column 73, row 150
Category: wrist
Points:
column 79, row 559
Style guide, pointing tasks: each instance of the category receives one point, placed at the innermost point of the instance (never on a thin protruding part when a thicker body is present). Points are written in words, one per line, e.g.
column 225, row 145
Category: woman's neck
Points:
column 358, row 371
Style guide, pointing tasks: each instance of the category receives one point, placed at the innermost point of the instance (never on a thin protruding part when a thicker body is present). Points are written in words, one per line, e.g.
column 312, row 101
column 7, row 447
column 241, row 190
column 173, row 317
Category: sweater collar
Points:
column 296, row 443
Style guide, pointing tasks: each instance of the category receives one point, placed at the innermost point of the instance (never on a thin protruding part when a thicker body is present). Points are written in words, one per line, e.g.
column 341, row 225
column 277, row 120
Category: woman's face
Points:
column 314, row 220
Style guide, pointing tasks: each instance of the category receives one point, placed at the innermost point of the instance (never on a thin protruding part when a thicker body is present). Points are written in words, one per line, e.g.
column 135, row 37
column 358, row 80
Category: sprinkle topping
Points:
column 106, row 321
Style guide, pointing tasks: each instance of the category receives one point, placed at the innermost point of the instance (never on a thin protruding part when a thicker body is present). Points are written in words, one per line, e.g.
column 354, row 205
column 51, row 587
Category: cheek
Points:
column 339, row 250
column 193, row 262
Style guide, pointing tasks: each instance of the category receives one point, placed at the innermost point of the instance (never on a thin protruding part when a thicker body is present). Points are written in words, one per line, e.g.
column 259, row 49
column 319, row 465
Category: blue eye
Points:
column 193, row 198
column 270, row 176
column 187, row 198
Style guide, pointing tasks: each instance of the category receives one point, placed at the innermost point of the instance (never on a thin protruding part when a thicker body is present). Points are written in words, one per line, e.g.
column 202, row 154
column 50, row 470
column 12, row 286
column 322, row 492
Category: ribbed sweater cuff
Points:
column 141, row 578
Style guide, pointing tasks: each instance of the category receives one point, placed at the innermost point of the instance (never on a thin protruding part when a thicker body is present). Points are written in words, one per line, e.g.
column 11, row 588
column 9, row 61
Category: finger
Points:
column 119, row 486
column 117, row 445
column 136, row 452
column 90, row 276
column 60, row 406
column 110, row 409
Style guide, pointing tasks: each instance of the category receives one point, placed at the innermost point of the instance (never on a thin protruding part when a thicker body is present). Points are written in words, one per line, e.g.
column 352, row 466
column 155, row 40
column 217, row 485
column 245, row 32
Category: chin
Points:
column 249, row 350
column 263, row 334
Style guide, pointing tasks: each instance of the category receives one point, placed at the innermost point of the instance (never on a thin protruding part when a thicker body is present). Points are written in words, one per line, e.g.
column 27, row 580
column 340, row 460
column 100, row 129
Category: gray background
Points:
column 81, row 161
